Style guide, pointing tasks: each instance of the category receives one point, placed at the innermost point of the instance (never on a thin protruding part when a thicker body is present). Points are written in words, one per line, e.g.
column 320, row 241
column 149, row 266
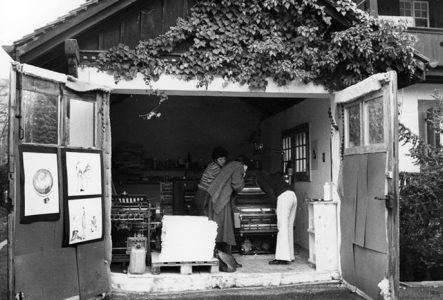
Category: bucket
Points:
column 137, row 260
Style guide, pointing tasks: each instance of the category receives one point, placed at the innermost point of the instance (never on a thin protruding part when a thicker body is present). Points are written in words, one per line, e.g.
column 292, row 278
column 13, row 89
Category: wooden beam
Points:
column 72, row 55
column 71, row 28
column 336, row 16
column 373, row 7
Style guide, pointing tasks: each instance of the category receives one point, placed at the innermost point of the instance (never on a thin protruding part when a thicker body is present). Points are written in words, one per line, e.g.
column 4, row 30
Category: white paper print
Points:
column 85, row 220
column 83, row 173
column 41, row 183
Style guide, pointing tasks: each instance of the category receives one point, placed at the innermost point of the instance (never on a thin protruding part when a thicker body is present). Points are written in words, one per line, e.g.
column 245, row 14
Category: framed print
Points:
column 39, row 184
column 84, row 220
column 83, row 175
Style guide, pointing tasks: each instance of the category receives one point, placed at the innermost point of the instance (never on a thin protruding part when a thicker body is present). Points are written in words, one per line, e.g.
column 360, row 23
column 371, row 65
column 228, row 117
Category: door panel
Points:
column 361, row 201
column 41, row 267
column 375, row 214
column 92, row 271
column 369, row 233
column 49, row 274
column 370, row 266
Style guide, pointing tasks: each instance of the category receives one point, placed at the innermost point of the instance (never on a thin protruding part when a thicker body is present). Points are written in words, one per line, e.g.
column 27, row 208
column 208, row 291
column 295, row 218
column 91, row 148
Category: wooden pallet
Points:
column 185, row 266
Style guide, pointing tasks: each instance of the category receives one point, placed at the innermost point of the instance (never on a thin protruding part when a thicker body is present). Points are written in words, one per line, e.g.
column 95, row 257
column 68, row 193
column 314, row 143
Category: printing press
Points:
column 134, row 222
column 255, row 220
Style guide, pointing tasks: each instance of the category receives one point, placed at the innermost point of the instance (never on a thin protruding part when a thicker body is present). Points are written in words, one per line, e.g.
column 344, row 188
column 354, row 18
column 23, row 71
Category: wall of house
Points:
column 388, row 7
column 193, row 125
column 315, row 112
column 141, row 21
column 412, row 110
column 392, row 8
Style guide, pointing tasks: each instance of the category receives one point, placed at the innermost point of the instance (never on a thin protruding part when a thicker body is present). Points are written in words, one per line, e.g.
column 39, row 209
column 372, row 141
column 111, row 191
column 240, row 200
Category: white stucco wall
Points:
column 315, row 112
column 408, row 107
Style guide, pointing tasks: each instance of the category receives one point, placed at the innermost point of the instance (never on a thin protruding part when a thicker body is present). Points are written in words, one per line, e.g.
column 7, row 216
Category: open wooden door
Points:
column 49, row 114
column 369, row 251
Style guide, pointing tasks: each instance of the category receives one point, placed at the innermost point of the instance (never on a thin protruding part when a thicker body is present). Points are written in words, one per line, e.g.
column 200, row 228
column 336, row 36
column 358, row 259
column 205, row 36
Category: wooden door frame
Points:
column 368, row 86
column 13, row 176
column 102, row 142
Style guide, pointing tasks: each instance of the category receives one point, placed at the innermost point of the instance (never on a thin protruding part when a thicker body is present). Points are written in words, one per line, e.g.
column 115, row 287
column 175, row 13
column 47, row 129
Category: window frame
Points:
column 86, row 97
column 412, row 9
column 432, row 137
column 295, row 155
column 36, row 84
column 365, row 146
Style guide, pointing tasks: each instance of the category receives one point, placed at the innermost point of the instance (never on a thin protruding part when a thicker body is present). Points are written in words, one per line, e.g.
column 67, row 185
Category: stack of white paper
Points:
column 187, row 238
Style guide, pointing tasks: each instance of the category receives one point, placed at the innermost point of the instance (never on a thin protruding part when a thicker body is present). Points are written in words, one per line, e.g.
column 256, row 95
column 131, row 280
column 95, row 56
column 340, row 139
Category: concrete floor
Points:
column 256, row 272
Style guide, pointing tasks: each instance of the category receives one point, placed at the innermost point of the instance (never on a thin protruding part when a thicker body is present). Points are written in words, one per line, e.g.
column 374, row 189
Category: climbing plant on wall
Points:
column 250, row 41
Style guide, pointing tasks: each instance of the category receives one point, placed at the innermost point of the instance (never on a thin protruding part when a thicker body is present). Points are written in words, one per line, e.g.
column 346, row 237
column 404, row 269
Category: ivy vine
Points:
column 250, row 41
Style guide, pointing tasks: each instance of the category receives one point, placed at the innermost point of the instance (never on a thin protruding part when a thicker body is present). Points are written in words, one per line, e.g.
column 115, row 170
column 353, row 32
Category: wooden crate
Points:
column 185, row 266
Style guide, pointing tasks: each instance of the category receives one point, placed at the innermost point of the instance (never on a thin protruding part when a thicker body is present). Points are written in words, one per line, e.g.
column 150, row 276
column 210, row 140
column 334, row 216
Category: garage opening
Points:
column 157, row 165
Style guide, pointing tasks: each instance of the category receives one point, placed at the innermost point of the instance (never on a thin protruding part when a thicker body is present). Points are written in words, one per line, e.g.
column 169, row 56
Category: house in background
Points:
column 424, row 21
column 292, row 120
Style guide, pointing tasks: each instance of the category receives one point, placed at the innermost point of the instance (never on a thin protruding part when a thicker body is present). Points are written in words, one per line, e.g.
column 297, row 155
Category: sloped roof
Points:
column 60, row 20
column 68, row 26
column 44, row 39
column 62, row 25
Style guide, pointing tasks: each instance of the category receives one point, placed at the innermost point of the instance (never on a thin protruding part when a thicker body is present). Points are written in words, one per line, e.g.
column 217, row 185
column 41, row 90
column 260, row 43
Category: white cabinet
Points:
column 323, row 236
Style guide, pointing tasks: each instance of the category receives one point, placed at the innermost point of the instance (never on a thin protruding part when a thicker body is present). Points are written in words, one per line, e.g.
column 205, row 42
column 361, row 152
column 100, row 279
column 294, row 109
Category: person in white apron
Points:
column 279, row 191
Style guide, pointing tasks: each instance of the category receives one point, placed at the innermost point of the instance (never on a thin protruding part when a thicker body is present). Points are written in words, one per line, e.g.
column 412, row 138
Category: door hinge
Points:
column 389, row 200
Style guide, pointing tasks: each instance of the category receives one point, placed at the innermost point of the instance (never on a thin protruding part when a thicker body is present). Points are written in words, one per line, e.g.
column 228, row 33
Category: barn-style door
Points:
column 369, row 191
column 58, row 251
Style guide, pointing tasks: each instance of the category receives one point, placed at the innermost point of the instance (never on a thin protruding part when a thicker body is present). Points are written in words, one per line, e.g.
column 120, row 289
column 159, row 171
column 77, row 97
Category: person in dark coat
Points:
column 219, row 155
column 279, row 191
column 222, row 191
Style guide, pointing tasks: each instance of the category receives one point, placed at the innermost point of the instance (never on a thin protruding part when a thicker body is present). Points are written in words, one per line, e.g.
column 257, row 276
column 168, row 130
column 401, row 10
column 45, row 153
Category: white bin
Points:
column 137, row 260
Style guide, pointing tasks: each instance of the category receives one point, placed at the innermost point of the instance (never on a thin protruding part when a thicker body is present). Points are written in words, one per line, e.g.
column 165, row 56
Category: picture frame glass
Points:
column 85, row 220
column 41, row 184
column 84, row 173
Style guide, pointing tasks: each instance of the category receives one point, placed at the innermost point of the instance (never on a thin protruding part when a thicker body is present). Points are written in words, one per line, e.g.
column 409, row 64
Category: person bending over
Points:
column 283, row 194
column 222, row 192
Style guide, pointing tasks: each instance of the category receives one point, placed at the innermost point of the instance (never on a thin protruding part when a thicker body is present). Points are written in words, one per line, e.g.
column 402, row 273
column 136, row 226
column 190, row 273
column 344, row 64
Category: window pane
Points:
column 405, row 8
column 354, row 126
column 81, row 123
column 375, row 121
column 40, row 114
column 421, row 22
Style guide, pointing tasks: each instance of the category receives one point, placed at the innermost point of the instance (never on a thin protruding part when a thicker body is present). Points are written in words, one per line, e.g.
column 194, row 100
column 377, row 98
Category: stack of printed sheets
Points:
column 187, row 238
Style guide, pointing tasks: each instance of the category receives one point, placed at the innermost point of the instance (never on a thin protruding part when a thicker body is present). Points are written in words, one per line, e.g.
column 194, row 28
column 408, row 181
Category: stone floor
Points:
column 256, row 272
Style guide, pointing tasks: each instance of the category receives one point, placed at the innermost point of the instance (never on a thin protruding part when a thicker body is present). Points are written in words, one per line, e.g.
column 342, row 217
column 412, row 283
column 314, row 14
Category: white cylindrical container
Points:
column 137, row 260
column 327, row 191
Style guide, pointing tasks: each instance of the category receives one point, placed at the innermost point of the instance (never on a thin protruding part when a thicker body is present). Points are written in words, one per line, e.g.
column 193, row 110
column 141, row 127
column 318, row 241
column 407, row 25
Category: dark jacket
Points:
column 273, row 185
column 229, row 180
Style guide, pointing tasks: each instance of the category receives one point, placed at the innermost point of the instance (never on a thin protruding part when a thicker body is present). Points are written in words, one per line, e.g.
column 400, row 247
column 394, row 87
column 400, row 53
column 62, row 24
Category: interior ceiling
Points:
column 266, row 106
column 272, row 106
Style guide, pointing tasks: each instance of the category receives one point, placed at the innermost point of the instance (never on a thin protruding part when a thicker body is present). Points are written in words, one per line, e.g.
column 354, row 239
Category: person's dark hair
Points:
column 219, row 152
column 243, row 159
